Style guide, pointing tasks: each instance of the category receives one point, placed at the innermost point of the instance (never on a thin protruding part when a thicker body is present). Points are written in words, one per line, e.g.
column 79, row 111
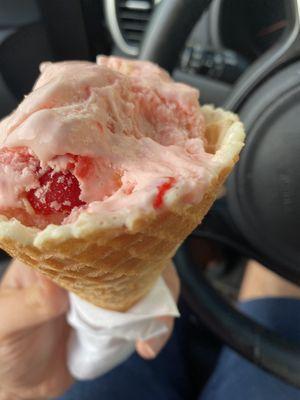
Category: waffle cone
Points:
column 113, row 266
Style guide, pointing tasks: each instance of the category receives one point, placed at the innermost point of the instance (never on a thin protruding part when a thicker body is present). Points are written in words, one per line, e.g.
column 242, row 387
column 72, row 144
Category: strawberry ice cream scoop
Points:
column 118, row 136
column 105, row 168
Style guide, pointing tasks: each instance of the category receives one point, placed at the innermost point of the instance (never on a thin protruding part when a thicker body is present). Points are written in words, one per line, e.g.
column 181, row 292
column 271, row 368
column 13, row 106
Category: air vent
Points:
column 127, row 20
column 133, row 16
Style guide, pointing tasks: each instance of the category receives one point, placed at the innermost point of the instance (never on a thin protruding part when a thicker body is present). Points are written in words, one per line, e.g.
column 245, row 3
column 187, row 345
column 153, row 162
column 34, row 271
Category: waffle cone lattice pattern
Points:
column 114, row 268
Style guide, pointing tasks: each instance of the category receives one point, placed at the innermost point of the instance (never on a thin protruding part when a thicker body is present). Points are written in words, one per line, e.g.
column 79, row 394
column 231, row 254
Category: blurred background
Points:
column 227, row 39
column 213, row 59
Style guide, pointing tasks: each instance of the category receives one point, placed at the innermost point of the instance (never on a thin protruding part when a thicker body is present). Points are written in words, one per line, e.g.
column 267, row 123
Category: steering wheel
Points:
column 260, row 216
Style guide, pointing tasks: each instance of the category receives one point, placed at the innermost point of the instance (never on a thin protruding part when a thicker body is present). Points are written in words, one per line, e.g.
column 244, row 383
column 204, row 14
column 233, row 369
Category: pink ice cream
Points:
column 99, row 137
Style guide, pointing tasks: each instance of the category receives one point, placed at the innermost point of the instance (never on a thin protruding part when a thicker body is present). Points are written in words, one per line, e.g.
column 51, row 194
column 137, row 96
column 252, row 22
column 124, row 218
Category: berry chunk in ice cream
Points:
column 58, row 193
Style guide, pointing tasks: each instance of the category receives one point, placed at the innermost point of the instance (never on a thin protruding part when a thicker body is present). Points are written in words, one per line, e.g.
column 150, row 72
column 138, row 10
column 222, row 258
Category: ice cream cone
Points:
column 113, row 265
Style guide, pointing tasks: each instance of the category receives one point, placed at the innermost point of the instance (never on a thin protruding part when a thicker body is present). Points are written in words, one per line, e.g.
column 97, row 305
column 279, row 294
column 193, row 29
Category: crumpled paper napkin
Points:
column 102, row 339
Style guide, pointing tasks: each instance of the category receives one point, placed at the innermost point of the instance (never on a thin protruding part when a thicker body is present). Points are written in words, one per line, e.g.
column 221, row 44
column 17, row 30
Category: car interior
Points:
column 241, row 55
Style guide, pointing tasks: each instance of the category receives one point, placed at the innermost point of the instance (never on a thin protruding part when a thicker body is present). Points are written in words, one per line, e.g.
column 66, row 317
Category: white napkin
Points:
column 102, row 339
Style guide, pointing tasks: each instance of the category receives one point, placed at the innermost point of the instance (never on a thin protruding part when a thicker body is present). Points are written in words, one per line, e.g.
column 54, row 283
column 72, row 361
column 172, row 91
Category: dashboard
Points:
column 226, row 40
column 249, row 27
column 230, row 36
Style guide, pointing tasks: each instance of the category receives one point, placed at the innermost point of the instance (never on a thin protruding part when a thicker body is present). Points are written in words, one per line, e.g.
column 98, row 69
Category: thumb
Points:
column 24, row 308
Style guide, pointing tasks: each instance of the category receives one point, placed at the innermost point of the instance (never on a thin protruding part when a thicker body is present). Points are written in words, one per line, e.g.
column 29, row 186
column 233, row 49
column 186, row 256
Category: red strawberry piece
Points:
column 58, row 193
column 162, row 189
column 84, row 167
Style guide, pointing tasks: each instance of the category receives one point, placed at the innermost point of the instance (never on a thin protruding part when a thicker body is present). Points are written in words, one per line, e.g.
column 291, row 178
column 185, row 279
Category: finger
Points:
column 24, row 308
column 150, row 348
column 57, row 379
column 19, row 275
column 4, row 395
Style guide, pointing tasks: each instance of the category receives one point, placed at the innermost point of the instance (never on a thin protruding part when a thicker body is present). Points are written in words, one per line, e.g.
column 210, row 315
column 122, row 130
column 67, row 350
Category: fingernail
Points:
column 156, row 344
column 148, row 351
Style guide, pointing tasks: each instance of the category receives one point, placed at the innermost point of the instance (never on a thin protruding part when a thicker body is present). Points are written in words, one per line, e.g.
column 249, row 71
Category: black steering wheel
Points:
column 261, row 217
